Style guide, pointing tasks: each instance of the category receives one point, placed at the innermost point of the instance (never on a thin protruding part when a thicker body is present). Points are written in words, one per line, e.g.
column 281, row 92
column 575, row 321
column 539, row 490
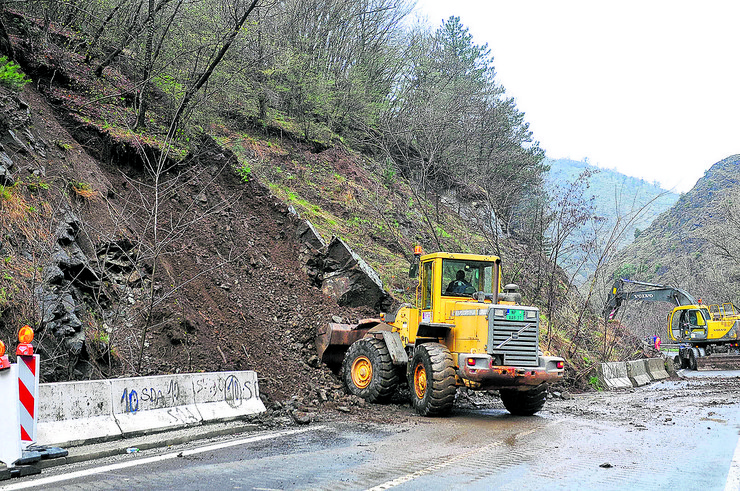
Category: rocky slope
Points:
column 227, row 287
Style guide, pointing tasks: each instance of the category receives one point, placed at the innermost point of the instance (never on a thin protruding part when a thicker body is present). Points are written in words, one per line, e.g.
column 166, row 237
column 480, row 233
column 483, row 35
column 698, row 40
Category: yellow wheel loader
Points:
column 708, row 336
column 463, row 331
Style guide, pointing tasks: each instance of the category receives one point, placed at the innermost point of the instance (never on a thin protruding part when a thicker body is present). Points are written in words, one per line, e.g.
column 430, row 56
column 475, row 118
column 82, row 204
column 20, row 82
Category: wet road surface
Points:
column 674, row 435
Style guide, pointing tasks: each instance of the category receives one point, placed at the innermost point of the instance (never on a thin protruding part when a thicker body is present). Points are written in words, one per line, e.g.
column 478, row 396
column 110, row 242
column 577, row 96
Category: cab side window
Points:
column 426, row 285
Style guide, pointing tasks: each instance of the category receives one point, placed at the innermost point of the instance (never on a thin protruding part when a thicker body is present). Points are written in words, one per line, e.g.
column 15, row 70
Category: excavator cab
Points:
column 689, row 323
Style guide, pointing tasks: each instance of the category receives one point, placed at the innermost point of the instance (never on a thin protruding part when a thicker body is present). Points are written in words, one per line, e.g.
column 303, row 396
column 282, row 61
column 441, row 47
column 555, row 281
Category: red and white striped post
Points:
column 28, row 386
column 10, row 443
column 28, row 389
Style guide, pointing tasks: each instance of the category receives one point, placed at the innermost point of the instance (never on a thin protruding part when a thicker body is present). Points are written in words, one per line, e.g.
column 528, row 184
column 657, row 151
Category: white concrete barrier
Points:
column 656, row 369
column 227, row 395
column 637, row 373
column 73, row 413
column 614, row 375
column 150, row 404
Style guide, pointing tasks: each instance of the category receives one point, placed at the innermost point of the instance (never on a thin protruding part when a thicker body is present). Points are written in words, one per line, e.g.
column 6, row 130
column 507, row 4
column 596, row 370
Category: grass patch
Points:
column 83, row 190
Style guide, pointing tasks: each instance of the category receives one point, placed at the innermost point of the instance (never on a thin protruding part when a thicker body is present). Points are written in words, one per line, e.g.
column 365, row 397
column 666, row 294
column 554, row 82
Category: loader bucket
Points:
column 718, row 361
column 333, row 340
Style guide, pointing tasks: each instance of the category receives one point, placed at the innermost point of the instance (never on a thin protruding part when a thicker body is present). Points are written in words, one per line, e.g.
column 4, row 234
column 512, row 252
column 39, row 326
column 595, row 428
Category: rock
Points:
column 75, row 343
column 307, row 234
column 336, row 319
column 53, row 275
column 65, row 234
column 606, row 465
column 134, row 278
column 6, row 178
column 6, row 161
column 302, row 417
column 344, row 409
column 314, row 361
column 20, row 146
column 349, row 279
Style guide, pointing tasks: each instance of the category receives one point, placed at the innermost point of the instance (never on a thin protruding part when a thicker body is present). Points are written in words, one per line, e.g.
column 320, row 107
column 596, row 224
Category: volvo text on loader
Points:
column 463, row 331
column 708, row 336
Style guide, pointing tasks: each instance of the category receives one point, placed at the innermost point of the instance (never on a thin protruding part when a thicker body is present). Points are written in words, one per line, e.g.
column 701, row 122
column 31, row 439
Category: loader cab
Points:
column 450, row 277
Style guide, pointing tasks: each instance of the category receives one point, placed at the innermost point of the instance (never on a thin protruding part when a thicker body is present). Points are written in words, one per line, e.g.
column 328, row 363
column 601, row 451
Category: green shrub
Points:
column 244, row 172
column 11, row 75
column 595, row 383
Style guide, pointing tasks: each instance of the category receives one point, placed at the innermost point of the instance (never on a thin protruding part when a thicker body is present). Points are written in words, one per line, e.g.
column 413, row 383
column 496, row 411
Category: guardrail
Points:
column 73, row 413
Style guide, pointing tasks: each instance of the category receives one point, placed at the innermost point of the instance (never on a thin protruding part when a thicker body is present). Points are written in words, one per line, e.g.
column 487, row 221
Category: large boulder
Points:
column 349, row 279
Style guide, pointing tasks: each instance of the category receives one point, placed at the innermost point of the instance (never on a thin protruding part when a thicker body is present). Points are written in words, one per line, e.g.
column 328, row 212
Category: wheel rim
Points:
column 420, row 381
column 362, row 372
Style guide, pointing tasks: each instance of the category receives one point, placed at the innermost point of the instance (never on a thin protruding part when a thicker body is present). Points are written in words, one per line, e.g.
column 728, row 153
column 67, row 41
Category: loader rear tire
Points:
column 432, row 380
column 524, row 403
column 368, row 371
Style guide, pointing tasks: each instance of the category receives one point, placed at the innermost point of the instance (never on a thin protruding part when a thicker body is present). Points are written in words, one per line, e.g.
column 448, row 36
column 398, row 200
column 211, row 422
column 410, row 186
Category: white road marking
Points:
column 733, row 477
column 148, row 460
column 436, row 467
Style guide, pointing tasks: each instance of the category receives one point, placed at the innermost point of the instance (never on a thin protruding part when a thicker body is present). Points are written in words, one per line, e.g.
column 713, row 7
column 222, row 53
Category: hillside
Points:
column 615, row 193
column 614, row 196
column 158, row 251
column 692, row 245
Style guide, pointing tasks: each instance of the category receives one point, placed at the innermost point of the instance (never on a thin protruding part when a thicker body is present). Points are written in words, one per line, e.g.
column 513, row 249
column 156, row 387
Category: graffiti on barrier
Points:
column 208, row 388
column 229, row 389
column 150, row 397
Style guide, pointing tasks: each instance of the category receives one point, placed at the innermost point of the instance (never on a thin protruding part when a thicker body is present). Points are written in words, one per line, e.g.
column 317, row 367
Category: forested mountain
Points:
column 614, row 197
column 694, row 245
column 156, row 157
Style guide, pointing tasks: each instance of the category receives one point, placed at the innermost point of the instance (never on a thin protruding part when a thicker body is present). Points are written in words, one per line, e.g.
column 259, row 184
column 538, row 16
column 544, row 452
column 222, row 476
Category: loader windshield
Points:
column 463, row 278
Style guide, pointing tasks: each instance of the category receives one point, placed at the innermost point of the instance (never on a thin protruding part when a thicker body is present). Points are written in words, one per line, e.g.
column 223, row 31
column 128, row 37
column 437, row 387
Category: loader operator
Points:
column 459, row 284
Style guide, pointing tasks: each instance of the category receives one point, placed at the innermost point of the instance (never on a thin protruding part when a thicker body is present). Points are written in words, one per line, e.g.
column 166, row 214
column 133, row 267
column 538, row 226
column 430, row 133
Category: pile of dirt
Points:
column 227, row 289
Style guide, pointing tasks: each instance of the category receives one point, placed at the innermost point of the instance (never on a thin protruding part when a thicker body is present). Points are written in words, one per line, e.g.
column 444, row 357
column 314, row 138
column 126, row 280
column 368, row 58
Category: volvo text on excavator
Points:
column 708, row 335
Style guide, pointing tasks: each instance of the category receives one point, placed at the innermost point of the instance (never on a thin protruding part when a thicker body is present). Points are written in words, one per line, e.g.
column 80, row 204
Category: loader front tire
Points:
column 368, row 371
column 432, row 380
column 524, row 403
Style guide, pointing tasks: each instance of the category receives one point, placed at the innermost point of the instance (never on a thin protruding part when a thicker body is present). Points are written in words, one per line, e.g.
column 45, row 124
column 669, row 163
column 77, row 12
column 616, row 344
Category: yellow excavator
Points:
column 708, row 335
column 463, row 331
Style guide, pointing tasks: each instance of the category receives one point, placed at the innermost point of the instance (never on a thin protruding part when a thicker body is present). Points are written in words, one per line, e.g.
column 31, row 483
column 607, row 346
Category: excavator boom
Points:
column 655, row 293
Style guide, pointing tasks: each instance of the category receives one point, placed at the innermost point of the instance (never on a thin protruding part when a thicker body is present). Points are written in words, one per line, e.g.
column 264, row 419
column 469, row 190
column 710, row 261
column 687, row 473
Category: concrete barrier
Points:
column 73, row 413
column 656, row 369
column 227, row 395
column 149, row 404
column 637, row 373
column 614, row 375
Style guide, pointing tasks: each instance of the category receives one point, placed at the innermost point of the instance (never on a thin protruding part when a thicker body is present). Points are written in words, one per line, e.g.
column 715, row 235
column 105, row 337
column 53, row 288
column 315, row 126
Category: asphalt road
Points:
column 674, row 435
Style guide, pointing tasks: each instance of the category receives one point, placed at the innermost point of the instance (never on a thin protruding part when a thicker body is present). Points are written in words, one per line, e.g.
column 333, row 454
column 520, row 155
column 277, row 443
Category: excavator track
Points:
column 718, row 361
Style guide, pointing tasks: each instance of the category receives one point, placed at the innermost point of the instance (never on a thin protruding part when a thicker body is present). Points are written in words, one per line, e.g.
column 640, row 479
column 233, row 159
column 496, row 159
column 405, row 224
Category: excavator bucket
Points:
column 334, row 339
column 718, row 361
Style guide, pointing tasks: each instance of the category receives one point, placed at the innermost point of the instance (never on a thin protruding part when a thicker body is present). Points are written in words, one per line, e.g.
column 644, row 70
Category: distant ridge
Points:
column 615, row 195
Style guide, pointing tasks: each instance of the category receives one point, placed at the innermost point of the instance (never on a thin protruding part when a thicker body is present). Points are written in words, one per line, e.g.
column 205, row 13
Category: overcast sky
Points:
column 650, row 88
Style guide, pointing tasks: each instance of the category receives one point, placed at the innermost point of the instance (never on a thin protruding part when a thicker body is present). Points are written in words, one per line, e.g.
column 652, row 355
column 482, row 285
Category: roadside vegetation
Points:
column 385, row 132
